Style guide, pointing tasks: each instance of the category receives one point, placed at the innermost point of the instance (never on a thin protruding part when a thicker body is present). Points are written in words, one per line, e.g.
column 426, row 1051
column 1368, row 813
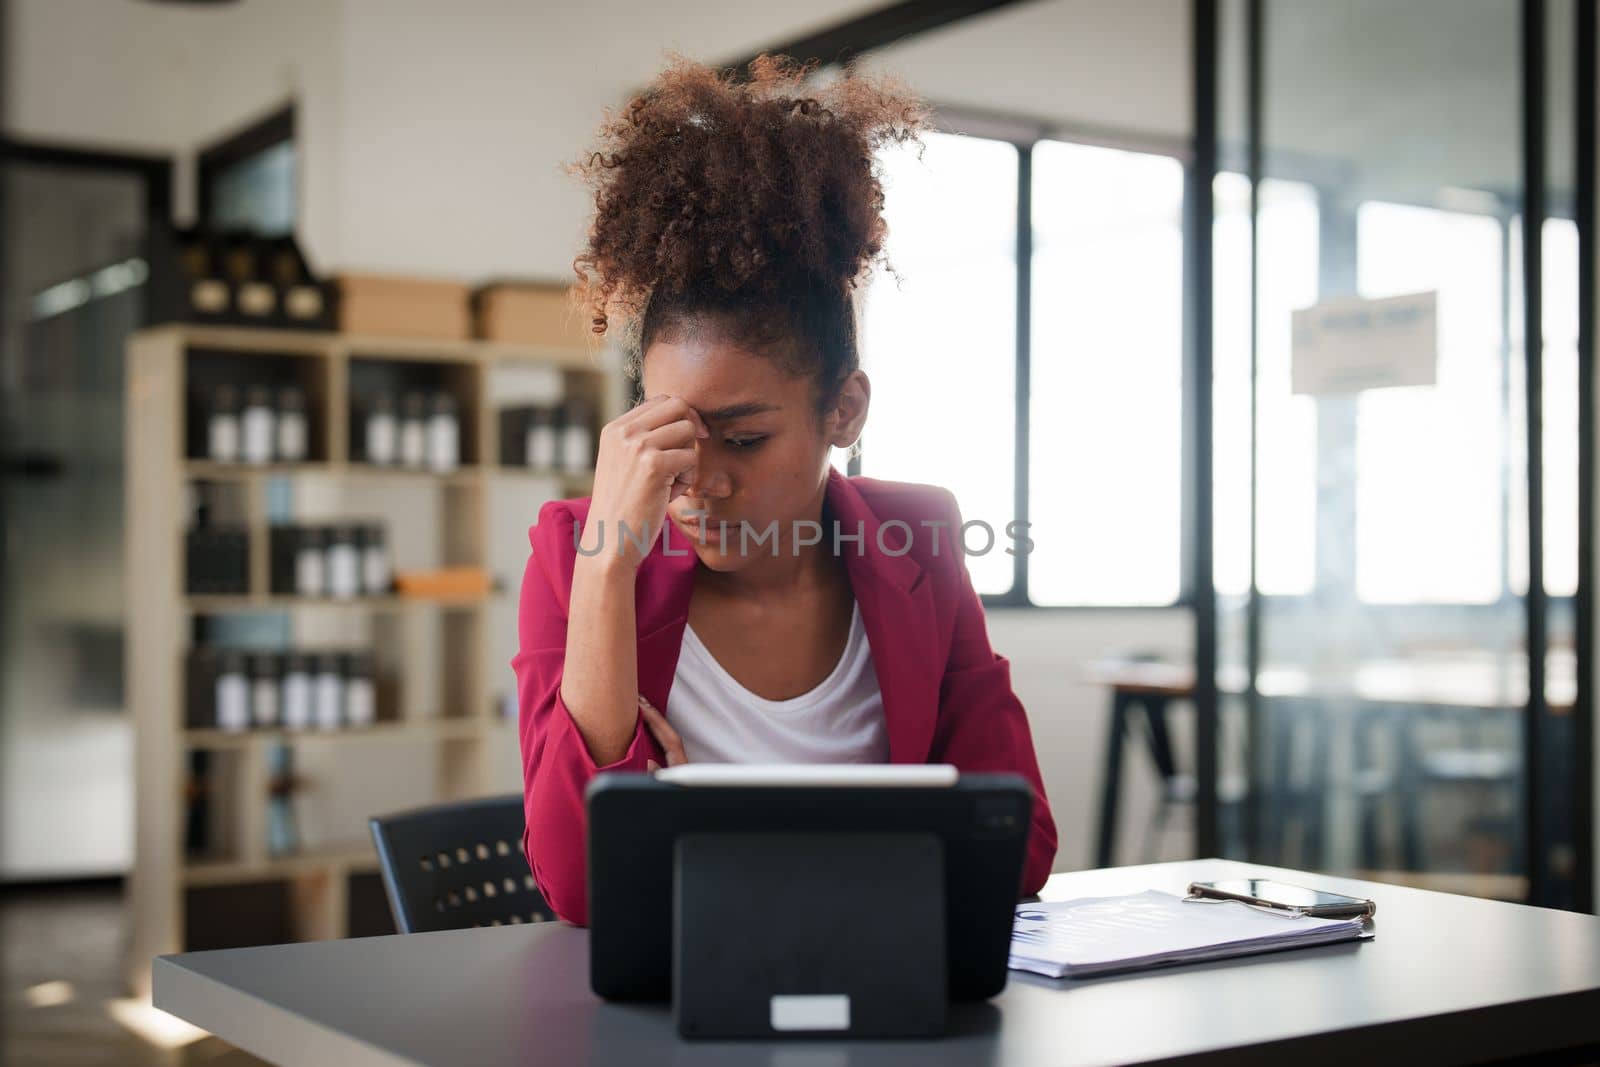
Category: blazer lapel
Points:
column 897, row 611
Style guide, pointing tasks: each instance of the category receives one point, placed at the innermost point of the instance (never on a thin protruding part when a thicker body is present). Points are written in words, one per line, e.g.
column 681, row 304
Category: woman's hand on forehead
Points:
column 667, row 399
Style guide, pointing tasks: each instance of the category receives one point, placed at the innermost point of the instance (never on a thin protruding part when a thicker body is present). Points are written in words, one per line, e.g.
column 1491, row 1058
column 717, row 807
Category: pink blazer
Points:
column 947, row 695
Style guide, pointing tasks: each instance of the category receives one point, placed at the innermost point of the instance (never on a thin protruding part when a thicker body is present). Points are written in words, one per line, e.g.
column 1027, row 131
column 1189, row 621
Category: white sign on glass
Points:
column 1349, row 345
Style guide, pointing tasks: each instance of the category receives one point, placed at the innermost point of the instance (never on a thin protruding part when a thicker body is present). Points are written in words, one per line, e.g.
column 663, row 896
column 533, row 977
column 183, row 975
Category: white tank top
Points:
column 720, row 721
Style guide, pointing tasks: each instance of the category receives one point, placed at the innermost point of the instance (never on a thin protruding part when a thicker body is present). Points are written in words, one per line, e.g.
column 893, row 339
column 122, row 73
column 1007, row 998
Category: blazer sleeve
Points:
column 982, row 725
column 556, row 764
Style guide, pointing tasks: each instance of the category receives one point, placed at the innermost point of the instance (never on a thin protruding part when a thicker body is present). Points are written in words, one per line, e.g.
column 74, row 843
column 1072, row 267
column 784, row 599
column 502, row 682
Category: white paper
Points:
column 1099, row 935
column 1349, row 345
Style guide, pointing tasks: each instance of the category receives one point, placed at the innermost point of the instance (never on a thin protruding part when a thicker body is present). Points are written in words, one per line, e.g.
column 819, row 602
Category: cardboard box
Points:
column 398, row 306
column 530, row 313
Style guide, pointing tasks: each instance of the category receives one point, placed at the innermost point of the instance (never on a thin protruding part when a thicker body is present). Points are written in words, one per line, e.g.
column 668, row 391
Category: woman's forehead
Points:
column 713, row 374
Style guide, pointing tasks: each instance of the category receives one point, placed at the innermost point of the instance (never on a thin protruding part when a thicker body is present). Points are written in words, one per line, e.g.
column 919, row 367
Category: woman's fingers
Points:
column 673, row 461
column 682, row 480
column 681, row 408
column 671, row 744
column 662, row 410
column 679, row 433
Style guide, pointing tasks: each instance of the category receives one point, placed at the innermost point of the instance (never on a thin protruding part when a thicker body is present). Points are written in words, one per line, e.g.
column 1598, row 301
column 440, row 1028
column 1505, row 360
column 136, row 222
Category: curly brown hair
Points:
column 752, row 207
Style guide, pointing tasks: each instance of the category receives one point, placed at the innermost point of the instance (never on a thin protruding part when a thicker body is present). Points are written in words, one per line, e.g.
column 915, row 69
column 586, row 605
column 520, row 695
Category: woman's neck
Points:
column 772, row 576
column 786, row 573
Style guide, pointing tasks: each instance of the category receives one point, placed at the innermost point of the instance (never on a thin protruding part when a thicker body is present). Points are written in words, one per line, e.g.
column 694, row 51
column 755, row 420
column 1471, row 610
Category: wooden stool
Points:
column 1148, row 686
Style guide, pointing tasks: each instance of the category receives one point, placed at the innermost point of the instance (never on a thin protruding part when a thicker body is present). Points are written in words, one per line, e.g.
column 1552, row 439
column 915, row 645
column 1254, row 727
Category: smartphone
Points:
column 1265, row 893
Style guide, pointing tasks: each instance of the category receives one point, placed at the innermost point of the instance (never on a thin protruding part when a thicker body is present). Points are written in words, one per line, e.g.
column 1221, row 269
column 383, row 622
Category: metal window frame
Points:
column 1534, row 601
column 1200, row 211
column 849, row 38
column 1584, row 115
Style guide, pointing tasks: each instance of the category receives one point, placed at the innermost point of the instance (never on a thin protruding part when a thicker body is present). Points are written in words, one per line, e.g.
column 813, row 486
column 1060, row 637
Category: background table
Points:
column 1393, row 698
column 1447, row 979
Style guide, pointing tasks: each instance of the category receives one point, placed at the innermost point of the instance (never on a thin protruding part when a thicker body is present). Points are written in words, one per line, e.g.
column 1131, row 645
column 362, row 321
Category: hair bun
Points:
column 738, row 191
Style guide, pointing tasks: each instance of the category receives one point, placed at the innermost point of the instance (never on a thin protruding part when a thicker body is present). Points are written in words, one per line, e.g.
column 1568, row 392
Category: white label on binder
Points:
column 828, row 1011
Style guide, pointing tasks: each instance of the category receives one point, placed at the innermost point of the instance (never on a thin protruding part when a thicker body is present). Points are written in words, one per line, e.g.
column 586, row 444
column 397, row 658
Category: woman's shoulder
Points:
column 563, row 511
column 907, row 501
column 930, row 518
column 551, row 534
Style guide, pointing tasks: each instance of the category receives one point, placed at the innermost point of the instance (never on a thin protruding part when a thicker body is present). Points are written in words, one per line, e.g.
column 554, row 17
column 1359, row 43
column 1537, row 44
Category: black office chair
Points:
column 457, row 865
column 1484, row 773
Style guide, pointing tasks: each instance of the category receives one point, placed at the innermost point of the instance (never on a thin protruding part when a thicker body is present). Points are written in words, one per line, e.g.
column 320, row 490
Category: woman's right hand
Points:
column 671, row 744
column 646, row 459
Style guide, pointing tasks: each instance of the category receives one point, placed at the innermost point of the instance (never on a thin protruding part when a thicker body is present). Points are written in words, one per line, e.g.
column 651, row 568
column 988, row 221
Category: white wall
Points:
column 171, row 79
column 432, row 135
column 457, row 118
column 1069, row 716
column 432, row 132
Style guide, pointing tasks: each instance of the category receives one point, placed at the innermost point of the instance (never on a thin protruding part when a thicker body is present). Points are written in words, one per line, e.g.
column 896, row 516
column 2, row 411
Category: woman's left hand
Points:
column 665, row 735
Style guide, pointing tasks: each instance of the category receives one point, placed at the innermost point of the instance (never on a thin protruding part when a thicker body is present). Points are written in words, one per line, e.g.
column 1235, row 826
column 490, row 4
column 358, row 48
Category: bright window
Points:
column 1430, row 467
column 940, row 344
column 1437, row 471
column 1106, row 398
column 1560, row 357
column 1105, row 403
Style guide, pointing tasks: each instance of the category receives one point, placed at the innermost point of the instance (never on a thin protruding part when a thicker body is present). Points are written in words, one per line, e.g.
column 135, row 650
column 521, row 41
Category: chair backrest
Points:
column 457, row 865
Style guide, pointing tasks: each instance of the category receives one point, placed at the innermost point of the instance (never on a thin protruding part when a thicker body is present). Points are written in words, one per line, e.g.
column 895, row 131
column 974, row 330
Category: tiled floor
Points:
column 65, row 944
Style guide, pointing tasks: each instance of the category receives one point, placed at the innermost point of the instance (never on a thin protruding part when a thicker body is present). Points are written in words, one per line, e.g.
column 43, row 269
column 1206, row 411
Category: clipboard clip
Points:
column 1269, row 896
column 1282, row 911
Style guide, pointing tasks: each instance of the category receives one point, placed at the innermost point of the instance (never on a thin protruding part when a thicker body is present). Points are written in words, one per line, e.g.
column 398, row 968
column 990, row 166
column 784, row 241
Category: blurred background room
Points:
column 1230, row 300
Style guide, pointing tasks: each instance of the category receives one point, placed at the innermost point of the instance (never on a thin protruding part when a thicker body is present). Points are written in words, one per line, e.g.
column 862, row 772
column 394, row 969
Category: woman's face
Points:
column 766, row 458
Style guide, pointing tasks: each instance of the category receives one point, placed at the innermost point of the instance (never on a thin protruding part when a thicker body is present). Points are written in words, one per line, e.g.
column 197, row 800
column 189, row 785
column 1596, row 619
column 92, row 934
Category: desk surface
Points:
column 1447, row 979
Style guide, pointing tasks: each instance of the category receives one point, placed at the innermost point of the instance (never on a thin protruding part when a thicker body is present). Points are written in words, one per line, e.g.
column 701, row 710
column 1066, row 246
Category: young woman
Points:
column 725, row 594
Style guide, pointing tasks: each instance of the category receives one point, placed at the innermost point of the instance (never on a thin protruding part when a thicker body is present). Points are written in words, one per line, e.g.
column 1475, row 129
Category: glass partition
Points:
column 1371, row 435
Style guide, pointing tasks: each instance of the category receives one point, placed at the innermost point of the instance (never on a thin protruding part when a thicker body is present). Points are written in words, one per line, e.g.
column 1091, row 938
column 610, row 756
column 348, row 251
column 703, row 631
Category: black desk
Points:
column 1447, row 980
